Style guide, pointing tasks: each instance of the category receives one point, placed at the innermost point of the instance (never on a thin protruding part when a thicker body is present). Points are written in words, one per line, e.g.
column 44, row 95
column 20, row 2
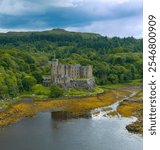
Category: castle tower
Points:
column 54, row 70
column 89, row 72
column 86, row 72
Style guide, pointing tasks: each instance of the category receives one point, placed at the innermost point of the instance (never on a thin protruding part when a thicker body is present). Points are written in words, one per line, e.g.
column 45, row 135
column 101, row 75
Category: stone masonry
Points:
column 72, row 76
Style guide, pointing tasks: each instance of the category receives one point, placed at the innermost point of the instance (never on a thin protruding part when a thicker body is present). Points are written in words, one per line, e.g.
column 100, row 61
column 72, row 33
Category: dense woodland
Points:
column 25, row 57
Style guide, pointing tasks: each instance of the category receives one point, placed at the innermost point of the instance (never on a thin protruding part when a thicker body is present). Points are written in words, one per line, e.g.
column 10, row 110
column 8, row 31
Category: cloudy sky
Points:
column 107, row 17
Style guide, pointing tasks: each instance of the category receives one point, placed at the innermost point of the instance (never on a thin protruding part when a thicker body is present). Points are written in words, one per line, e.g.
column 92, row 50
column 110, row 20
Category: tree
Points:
column 11, row 82
column 113, row 78
column 28, row 82
column 56, row 91
column 38, row 76
column 3, row 91
column 24, row 58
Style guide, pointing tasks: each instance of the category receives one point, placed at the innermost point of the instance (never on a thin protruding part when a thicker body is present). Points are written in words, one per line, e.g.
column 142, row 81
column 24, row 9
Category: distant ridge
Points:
column 52, row 31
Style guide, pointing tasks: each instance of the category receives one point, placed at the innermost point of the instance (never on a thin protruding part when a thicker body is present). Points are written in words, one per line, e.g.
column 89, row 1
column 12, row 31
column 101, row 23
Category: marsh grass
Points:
column 76, row 106
column 133, row 107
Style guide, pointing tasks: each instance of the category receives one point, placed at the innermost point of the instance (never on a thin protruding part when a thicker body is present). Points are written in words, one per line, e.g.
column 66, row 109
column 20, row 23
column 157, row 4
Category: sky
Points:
column 111, row 18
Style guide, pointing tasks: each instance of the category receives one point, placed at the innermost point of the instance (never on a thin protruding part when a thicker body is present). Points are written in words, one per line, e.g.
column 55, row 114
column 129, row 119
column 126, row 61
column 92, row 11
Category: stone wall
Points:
column 72, row 76
column 87, row 84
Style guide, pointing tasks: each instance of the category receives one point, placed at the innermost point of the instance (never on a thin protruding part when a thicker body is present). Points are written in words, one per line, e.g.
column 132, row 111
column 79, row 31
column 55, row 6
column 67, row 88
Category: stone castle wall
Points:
column 71, row 75
column 87, row 84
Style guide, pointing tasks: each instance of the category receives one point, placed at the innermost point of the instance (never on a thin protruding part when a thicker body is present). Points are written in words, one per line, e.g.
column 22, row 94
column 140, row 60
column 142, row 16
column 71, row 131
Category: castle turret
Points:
column 86, row 72
column 54, row 70
column 89, row 72
column 72, row 76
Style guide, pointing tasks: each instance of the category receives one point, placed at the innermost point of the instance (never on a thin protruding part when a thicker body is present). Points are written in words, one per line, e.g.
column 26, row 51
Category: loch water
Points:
column 60, row 131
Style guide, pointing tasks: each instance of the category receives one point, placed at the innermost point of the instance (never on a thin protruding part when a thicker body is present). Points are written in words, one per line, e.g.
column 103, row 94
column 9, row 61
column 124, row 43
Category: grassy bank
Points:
column 130, row 83
column 40, row 92
column 76, row 106
column 133, row 107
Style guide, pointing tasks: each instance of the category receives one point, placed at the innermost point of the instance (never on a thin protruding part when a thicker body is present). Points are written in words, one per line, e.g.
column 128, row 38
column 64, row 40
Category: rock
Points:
column 87, row 84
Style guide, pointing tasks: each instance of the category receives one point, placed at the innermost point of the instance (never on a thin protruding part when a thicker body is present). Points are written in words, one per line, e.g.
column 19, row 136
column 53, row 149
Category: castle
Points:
column 71, row 76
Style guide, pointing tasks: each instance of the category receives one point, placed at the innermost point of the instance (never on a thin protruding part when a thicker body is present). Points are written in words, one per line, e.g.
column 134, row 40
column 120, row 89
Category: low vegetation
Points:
column 25, row 58
column 74, row 92
column 39, row 89
column 133, row 107
column 56, row 91
column 76, row 106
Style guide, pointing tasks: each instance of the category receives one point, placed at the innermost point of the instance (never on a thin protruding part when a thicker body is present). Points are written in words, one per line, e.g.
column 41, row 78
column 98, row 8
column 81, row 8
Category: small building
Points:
column 47, row 81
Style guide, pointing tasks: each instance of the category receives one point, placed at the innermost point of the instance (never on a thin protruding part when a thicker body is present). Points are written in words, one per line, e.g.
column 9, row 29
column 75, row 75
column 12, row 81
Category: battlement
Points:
column 64, row 74
column 74, row 71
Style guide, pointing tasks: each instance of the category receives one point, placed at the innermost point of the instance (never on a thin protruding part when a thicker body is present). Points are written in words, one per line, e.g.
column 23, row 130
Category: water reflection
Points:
column 64, row 116
column 58, row 131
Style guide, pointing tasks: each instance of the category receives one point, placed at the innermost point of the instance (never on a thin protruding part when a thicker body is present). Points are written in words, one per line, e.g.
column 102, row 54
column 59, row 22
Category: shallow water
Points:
column 59, row 131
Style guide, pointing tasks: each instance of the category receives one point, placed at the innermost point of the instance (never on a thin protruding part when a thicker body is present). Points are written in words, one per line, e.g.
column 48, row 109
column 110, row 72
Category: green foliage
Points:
column 38, row 76
column 39, row 89
column 136, row 82
column 22, row 55
column 28, row 82
column 74, row 92
column 56, row 91
column 15, row 66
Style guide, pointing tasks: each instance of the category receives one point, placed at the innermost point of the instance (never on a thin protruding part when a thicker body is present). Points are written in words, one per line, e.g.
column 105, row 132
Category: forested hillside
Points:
column 25, row 56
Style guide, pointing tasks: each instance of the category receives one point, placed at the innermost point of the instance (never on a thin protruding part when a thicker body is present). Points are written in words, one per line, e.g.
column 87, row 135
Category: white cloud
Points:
column 103, row 7
column 4, row 30
column 19, row 7
column 120, row 27
column 76, row 3
column 66, row 3
column 107, row 17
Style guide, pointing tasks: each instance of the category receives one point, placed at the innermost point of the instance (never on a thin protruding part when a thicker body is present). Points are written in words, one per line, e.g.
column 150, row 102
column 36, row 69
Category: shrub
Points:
column 56, row 91
column 39, row 89
column 28, row 82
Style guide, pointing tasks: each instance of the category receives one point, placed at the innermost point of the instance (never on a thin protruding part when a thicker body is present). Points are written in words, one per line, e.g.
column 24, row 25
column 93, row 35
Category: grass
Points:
column 6, row 104
column 74, row 92
column 110, row 86
column 113, row 113
column 76, row 106
column 32, row 96
column 39, row 92
column 39, row 89
column 98, row 90
column 133, row 107
column 138, row 95
column 80, row 106
column 128, row 109
column 81, row 79
column 138, row 82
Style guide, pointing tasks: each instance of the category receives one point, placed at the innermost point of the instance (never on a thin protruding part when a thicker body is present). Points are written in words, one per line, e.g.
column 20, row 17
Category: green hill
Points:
column 25, row 56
